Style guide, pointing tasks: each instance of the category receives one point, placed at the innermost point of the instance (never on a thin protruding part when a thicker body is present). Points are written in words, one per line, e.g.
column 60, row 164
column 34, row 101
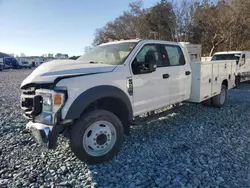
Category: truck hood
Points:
column 49, row 71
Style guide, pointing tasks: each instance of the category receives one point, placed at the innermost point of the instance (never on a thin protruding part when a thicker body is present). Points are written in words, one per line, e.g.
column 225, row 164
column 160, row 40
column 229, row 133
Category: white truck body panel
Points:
column 48, row 72
column 74, row 88
column 207, row 79
column 243, row 66
column 169, row 91
column 194, row 51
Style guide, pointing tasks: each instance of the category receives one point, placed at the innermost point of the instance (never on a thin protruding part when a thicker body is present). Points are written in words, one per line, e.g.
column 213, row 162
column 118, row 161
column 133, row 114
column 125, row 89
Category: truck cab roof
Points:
column 229, row 52
column 142, row 40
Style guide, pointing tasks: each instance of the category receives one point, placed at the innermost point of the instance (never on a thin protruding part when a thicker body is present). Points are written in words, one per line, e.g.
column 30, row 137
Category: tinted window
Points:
column 150, row 48
column 175, row 55
column 226, row 57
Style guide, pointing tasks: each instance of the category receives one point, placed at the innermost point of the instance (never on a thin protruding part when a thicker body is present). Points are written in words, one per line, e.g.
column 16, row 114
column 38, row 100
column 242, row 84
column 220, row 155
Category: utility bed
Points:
column 207, row 78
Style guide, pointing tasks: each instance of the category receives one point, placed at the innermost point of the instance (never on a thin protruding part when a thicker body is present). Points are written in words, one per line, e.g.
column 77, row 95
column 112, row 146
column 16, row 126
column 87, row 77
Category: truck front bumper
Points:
column 44, row 135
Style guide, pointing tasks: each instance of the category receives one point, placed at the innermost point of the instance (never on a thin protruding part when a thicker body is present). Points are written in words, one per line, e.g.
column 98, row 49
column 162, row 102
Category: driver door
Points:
column 150, row 89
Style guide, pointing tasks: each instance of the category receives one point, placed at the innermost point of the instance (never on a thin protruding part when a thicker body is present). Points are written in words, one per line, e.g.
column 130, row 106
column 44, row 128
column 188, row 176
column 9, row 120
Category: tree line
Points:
column 218, row 25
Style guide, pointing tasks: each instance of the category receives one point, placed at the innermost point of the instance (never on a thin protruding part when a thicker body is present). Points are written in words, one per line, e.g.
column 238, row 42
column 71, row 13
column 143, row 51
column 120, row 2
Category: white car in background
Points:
column 25, row 64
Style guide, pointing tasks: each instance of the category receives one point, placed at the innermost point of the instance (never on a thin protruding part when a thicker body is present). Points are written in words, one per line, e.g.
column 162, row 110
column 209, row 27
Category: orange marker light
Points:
column 57, row 99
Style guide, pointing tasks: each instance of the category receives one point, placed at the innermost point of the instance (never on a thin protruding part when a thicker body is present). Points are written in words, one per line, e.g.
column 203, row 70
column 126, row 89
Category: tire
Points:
column 1, row 68
column 237, row 81
column 207, row 102
column 96, row 126
column 219, row 100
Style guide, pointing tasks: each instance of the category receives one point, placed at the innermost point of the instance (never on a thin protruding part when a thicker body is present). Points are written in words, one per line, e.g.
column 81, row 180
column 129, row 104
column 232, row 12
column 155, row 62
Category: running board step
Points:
column 155, row 116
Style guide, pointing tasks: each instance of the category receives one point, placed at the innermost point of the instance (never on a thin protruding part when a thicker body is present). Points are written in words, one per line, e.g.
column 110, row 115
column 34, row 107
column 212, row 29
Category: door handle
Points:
column 187, row 72
column 165, row 76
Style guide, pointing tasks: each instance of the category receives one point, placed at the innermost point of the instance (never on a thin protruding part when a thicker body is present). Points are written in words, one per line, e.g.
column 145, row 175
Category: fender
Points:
column 91, row 95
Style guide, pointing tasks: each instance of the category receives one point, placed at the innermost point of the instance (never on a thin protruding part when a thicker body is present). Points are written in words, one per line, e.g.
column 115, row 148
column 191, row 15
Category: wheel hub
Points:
column 222, row 96
column 99, row 138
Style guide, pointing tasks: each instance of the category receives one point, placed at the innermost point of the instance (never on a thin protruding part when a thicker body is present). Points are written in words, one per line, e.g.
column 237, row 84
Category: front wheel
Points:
column 97, row 137
column 219, row 100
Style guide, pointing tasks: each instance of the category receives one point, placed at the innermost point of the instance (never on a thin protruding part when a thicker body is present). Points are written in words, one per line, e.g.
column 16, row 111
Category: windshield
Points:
column 113, row 54
column 226, row 57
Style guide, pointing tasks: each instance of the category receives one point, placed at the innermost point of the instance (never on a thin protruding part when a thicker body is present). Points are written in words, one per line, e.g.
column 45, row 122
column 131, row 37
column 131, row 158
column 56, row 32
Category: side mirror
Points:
column 143, row 68
column 242, row 62
column 152, row 66
column 150, row 61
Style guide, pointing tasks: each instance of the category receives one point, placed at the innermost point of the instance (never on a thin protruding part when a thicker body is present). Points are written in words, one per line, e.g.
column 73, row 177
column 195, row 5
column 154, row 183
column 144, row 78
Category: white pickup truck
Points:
column 98, row 96
column 242, row 59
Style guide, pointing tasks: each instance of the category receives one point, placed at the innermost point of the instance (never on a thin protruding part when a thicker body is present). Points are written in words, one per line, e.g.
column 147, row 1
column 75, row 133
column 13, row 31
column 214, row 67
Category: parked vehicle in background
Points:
column 98, row 96
column 10, row 62
column 1, row 64
column 242, row 59
column 25, row 64
column 205, row 59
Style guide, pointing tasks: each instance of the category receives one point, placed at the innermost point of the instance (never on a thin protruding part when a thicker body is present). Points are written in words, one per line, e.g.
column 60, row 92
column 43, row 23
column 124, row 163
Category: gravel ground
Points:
column 198, row 147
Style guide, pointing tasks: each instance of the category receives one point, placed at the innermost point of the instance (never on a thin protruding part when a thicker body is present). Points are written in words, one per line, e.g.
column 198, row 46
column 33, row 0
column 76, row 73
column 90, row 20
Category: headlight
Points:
column 47, row 99
column 52, row 103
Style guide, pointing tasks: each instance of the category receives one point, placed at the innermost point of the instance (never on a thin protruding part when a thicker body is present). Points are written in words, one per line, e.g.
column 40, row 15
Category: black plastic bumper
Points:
column 32, row 105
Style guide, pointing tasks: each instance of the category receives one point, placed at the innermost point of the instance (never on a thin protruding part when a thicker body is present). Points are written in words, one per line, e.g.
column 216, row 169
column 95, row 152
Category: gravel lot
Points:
column 198, row 147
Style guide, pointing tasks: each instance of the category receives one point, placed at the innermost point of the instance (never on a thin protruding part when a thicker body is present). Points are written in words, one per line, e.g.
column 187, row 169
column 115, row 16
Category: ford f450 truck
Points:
column 242, row 59
column 98, row 96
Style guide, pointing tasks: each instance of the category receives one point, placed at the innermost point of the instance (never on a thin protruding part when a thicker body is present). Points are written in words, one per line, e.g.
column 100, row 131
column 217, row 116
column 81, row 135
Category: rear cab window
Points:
column 218, row 57
column 175, row 56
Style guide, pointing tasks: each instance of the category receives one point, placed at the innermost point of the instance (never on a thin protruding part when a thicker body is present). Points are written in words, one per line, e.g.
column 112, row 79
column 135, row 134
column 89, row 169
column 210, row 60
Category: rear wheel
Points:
column 219, row 100
column 97, row 137
column 207, row 102
column 237, row 81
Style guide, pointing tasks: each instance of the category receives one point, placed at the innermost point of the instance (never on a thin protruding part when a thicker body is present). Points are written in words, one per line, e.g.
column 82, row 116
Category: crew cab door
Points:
column 180, row 74
column 150, row 90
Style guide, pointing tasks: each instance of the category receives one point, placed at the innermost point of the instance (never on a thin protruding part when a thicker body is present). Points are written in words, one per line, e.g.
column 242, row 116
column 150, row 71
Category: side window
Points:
column 175, row 55
column 149, row 49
